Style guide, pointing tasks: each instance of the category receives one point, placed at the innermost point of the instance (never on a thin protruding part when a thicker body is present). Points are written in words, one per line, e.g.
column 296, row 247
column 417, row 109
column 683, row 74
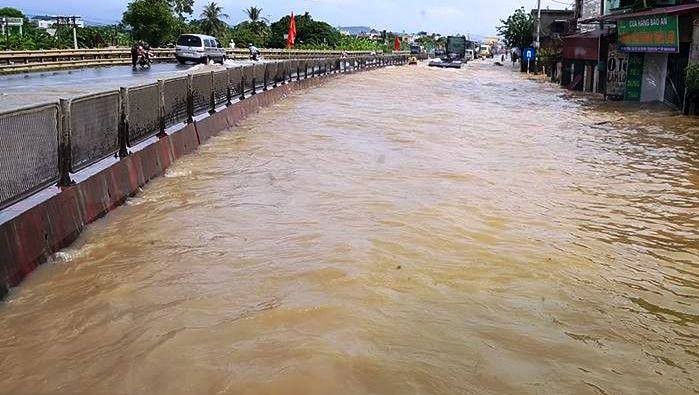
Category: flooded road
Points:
column 405, row 230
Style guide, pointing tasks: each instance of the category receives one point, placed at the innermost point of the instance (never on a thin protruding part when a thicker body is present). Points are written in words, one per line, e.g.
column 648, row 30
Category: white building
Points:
column 47, row 22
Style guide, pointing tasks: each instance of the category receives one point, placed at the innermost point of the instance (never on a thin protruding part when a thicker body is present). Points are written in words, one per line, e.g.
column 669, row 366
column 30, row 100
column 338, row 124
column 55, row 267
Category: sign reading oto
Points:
column 655, row 33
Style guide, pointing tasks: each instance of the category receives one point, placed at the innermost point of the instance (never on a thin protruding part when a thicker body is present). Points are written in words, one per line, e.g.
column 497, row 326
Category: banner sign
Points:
column 655, row 33
column 634, row 77
column 617, row 63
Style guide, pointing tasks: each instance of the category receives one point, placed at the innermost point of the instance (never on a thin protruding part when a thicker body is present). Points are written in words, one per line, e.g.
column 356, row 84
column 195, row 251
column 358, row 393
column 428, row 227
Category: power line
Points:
column 570, row 4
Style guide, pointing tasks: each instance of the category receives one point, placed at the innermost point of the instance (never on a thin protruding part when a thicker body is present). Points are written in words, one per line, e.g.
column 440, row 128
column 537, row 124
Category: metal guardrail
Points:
column 45, row 144
column 29, row 151
column 27, row 61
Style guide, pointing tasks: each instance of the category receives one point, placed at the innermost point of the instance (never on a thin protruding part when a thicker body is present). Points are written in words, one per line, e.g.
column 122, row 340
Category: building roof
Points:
column 672, row 10
column 595, row 34
column 551, row 12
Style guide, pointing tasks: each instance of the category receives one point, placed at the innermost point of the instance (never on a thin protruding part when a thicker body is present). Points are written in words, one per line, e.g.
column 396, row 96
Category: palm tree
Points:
column 258, row 23
column 254, row 14
column 211, row 22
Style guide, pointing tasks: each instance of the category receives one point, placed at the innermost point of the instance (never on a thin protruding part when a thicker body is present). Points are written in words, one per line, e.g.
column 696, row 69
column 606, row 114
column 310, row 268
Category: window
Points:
column 558, row 27
column 189, row 41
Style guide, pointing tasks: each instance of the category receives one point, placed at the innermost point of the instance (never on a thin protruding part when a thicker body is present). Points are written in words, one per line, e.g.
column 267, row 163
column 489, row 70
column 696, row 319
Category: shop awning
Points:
column 672, row 10
column 582, row 46
column 597, row 33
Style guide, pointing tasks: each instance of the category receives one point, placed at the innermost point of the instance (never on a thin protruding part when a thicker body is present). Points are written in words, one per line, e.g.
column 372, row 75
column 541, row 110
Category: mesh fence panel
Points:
column 28, row 152
column 175, row 98
column 94, row 128
column 235, row 80
column 248, row 74
column 270, row 72
column 201, row 92
column 259, row 73
column 220, row 81
column 144, row 117
column 282, row 72
column 294, row 67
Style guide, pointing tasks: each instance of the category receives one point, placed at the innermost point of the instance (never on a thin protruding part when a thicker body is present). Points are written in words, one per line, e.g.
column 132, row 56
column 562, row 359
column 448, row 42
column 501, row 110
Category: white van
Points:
column 469, row 56
column 199, row 48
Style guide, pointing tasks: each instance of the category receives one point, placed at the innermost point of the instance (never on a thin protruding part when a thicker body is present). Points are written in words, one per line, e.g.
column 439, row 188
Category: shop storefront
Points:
column 580, row 57
column 649, row 58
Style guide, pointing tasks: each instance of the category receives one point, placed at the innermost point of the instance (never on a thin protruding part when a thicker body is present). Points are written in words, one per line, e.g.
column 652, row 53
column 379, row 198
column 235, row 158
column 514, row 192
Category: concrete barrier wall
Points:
column 32, row 236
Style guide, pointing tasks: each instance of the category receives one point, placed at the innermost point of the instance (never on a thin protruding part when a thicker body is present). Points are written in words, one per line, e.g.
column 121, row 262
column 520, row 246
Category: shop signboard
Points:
column 617, row 63
column 654, row 33
column 634, row 77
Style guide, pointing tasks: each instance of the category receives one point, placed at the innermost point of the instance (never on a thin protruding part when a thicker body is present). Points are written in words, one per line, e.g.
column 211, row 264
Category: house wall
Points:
column 589, row 9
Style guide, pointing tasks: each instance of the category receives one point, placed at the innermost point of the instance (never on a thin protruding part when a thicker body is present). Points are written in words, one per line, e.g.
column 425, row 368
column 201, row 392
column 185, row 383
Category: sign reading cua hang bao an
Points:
column 654, row 33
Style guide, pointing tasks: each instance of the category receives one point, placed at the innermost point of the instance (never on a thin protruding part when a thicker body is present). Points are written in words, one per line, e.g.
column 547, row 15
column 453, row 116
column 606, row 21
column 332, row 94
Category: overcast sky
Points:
column 478, row 17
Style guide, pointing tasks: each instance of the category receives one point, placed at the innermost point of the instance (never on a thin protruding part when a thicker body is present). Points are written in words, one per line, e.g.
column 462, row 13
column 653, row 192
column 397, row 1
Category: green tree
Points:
column 32, row 37
column 517, row 31
column 253, row 31
column 255, row 14
column 351, row 43
column 182, row 8
column 11, row 12
column 152, row 21
column 211, row 22
column 427, row 41
column 309, row 33
column 248, row 32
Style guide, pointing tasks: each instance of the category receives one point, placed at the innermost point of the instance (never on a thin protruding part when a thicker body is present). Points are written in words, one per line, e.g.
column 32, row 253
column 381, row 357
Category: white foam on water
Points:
column 172, row 173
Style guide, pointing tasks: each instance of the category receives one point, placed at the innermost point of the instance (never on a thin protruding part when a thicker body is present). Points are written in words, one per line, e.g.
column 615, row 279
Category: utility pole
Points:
column 75, row 34
column 538, row 24
column 538, row 35
column 6, row 31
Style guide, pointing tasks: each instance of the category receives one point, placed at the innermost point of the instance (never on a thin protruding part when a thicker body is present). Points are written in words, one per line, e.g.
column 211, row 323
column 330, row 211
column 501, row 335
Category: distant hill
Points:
column 355, row 30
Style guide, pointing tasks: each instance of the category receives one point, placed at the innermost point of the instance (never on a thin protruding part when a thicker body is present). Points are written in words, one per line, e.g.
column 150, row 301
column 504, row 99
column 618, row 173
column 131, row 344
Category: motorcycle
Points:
column 143, row 58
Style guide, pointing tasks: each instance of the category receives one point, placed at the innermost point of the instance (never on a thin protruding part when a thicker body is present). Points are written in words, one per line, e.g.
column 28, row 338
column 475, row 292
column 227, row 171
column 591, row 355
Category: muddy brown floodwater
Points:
column 406, row 230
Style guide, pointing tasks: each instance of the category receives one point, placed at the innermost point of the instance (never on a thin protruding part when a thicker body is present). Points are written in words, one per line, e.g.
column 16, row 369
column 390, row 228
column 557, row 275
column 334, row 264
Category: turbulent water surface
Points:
column 406, row 230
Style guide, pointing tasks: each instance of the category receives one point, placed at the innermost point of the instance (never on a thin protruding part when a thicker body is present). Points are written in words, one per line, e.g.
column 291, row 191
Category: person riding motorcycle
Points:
column 134, row 54
column 140, row 54
column 144, row 55
column 254, row 52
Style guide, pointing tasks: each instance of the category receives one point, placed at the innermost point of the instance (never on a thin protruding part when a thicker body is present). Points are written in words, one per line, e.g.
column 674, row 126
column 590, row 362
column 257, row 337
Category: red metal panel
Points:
column 579, row 48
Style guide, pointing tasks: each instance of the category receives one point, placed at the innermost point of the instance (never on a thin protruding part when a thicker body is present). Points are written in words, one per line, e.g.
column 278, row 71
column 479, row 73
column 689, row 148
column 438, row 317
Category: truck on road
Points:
column 455, row 53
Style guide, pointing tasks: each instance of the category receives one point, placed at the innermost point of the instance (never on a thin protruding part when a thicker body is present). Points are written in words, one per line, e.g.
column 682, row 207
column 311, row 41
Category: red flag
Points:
column 292, row 32
column 396, row 44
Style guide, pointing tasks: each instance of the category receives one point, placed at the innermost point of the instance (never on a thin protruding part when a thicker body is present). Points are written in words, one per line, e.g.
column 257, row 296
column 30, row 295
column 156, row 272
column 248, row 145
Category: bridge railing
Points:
column 45, row 144
column 52, row 55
